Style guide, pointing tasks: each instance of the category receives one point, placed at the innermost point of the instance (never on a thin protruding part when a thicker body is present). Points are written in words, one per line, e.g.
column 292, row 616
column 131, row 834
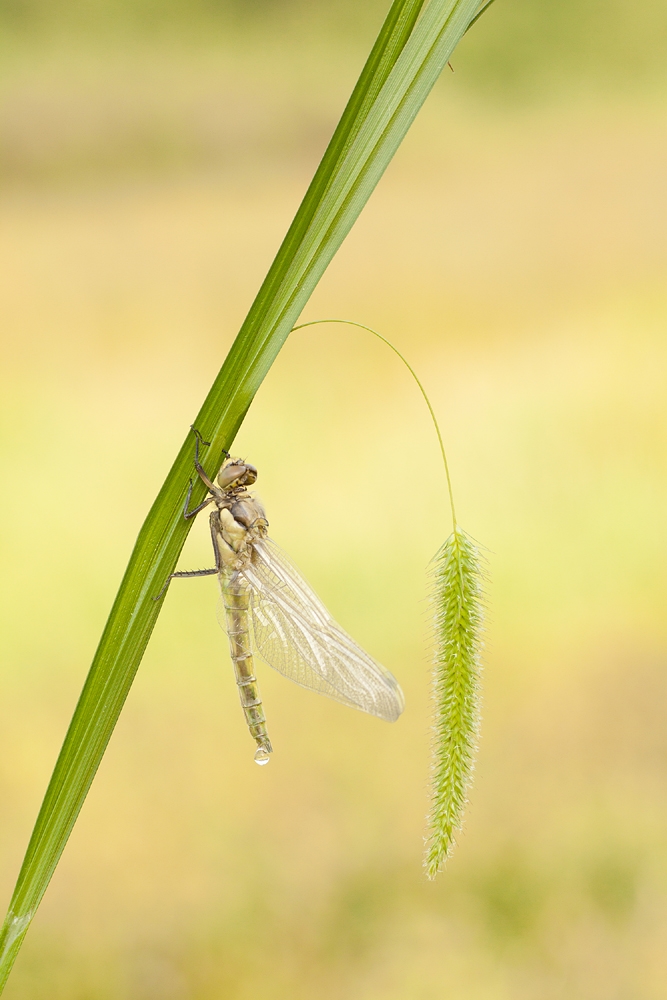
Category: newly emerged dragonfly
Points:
column 267, row 606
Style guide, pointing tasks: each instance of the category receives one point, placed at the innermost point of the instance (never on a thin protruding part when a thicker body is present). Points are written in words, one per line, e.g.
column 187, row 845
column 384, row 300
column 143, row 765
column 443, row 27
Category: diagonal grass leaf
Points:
column 414, row 45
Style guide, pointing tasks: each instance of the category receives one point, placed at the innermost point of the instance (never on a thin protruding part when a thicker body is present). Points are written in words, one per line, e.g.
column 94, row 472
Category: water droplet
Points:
column 262, row 756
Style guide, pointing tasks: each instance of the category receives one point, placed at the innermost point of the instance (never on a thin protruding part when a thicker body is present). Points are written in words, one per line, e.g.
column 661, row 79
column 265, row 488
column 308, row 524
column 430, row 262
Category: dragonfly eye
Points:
column 236, row 473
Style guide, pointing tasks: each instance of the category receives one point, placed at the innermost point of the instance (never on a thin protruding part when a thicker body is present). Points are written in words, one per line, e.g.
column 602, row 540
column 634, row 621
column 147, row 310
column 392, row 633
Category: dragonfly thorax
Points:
column 233, row 538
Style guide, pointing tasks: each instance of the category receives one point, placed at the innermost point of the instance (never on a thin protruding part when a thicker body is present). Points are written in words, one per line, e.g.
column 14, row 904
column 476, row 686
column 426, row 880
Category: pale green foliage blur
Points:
column 524, row 45
column 516, row 253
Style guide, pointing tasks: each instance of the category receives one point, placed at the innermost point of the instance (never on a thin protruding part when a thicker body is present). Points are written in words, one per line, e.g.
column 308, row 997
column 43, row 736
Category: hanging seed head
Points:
column 458, row 601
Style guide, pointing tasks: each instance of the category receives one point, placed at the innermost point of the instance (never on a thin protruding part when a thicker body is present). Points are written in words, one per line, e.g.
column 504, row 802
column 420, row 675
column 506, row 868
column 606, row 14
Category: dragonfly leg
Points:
column 196, row 572
column 198, row 466
column 187, row 514
column 186, row 573
column 198, row 439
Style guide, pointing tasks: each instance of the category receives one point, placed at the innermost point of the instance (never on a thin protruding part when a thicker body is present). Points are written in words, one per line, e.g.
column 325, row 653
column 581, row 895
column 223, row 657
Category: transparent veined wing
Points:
column 297, row 636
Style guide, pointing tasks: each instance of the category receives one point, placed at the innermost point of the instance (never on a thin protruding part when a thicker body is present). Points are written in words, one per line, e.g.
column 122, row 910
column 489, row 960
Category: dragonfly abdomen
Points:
column 236, row 600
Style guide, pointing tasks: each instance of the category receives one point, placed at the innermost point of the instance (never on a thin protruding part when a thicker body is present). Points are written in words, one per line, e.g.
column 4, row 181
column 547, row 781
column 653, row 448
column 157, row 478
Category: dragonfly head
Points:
column 236, row 472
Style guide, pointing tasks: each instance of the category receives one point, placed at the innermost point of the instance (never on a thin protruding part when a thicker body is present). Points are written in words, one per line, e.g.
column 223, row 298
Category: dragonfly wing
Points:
column 297, row 636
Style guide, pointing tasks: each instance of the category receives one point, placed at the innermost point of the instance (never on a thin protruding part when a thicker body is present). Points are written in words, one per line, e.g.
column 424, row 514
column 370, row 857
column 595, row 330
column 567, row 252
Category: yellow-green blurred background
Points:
column 152, row 157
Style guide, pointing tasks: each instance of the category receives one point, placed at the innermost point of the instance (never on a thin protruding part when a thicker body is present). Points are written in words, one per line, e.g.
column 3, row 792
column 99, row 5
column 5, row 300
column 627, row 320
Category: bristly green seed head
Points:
column 458, row 598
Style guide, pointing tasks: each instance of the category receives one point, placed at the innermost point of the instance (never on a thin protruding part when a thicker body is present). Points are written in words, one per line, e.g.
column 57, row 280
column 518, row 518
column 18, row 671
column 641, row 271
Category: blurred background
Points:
column 153, row 155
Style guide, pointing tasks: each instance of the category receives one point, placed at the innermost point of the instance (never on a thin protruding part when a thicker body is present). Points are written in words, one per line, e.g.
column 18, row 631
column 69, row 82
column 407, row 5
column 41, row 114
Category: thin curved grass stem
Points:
column 362, row 326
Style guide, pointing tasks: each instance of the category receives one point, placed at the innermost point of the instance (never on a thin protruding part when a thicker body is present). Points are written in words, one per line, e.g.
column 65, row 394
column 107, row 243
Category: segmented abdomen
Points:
column 236, row 600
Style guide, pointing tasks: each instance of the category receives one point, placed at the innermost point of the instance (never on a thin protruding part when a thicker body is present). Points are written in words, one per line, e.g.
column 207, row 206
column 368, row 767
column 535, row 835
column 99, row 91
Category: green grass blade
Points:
column 411, row 50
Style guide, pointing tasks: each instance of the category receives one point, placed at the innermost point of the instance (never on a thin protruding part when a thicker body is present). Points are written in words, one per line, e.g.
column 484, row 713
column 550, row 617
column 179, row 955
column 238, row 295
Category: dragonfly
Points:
column 266, row 607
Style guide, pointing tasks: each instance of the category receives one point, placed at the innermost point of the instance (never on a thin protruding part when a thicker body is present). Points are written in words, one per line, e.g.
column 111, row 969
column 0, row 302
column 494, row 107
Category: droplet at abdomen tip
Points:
column 262, row 756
